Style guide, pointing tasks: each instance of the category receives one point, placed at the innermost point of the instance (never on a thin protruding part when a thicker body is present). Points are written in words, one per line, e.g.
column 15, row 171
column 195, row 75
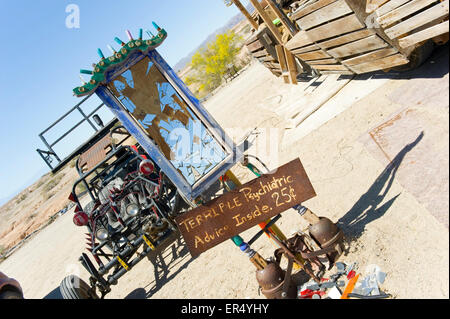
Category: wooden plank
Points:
column 252, row 38
column 308, row 48
column 389, row 6
column 322, row 61
column 308, row 9
column 361, row 46
column 282, row 61
column 372, row 5
column 267, row 58
column 423, row 35
column 272, row 65
column 267, row 20
column 403, row 11
column 314, row 55
column 301, row 39
column 337, row 27
column 438, row 11
column 276, row 72
column 246, row 14
column 337, row 72
column 255, row 46
column 332, row 11
column 260, row 53
column 370, row 56
column 349, row 37
column 331, row 67
column 380, row 64
column 291, row 65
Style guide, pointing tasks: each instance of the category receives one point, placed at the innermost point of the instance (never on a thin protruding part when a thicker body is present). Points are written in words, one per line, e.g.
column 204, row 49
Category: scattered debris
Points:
column 355, row 287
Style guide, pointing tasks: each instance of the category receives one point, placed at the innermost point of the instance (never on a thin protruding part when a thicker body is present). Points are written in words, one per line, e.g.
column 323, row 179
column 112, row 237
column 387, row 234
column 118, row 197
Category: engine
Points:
column 128, row 206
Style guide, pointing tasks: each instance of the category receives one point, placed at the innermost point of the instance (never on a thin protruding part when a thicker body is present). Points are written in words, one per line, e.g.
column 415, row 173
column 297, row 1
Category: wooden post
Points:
column 284, row 20
column 283, row 64
column 246, row 14
column 267, row 20
column 291, row 66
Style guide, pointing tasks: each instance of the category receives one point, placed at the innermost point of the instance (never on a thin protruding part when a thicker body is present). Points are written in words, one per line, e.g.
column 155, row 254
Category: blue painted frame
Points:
column 189, row 192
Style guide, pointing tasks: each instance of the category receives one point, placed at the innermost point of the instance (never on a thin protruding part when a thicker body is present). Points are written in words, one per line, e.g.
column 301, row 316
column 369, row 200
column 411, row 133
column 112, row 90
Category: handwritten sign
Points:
column 234, row 212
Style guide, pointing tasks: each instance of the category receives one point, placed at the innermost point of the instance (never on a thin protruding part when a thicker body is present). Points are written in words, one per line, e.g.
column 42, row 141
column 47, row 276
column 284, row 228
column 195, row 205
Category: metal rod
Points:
column 65, row 114
column 87, row 119
column 49, row 147
column 68, row 132
column 264, row 230
column 43, row 157
column 299, row 262
column 78, row 124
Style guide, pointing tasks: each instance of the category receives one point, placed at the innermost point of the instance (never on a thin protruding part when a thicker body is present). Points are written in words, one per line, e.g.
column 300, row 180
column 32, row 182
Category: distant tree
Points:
column 212, row 63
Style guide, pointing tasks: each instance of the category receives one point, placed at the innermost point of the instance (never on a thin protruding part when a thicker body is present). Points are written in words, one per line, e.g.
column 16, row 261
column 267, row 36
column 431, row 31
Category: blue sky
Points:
column 41, row 59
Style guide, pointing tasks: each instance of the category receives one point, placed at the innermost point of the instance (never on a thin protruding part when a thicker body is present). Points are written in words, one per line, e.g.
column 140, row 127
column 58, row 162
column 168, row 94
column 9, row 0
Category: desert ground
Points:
column 376, row 150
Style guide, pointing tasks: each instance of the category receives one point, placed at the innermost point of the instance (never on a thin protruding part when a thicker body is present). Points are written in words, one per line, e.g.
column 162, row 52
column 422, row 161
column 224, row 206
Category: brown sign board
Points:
column 244, row 207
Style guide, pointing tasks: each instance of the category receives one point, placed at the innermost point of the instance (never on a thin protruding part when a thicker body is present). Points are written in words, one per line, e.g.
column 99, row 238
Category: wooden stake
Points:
column 291, row 65
column 246, row 14
column 267, row 20
column 282, row 61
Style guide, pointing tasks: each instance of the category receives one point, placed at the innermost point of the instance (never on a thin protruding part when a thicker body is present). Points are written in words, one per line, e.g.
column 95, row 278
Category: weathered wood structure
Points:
column 344, row 36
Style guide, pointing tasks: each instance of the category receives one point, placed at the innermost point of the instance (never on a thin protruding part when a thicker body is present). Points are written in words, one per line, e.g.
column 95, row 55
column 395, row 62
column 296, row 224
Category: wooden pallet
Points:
column 334, row 39
column 355, row 36
column 261, row 47
column 280, row 61
column 413, row 21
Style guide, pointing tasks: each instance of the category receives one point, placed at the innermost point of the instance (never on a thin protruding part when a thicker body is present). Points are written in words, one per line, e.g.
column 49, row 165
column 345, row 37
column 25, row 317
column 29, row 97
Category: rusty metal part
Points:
column 94, row 155
column 305, row 246
column 290, row 254
column 153, row 228
column 329, row 237
column 323, row 231
column 272, row 281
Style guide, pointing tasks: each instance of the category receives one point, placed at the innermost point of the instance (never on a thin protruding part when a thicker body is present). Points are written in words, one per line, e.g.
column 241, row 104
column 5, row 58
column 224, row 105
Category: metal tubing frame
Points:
column 86, row 118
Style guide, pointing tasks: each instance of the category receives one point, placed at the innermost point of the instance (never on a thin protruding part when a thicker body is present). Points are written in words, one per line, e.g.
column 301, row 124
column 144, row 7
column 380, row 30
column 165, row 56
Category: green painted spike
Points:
column 98, row 75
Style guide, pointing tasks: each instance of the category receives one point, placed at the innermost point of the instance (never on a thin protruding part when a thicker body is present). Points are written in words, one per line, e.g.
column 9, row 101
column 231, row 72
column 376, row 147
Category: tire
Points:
column 417, row 57
column 10, row 293
column 73, row 287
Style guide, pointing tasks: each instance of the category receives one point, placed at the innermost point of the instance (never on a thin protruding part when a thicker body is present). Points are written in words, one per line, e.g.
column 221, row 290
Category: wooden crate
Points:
column 413, row 21
column 356, row 36
column 261, row 47
column 335, row 38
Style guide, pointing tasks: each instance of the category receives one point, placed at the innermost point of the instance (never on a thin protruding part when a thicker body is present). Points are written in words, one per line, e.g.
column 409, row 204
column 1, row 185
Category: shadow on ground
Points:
column 368, row 208
column 174, row 256
column 436, row 66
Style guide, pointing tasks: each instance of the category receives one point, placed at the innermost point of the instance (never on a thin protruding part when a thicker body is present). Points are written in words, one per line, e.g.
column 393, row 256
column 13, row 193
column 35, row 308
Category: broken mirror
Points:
column 169, row 121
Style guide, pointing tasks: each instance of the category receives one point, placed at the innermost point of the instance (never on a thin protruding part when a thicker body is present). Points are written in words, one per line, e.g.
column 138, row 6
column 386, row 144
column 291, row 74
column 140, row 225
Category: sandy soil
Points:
column 34, row 206
column 346, row 147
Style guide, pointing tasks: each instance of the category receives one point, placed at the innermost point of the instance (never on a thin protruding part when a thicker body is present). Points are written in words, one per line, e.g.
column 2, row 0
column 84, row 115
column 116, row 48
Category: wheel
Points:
column 73, row 287
column 417, row 57
column 10, row 294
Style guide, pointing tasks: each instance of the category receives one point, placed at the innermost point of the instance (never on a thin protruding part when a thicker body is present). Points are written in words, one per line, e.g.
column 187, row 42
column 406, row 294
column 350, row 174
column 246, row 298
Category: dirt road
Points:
column 377, row 155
